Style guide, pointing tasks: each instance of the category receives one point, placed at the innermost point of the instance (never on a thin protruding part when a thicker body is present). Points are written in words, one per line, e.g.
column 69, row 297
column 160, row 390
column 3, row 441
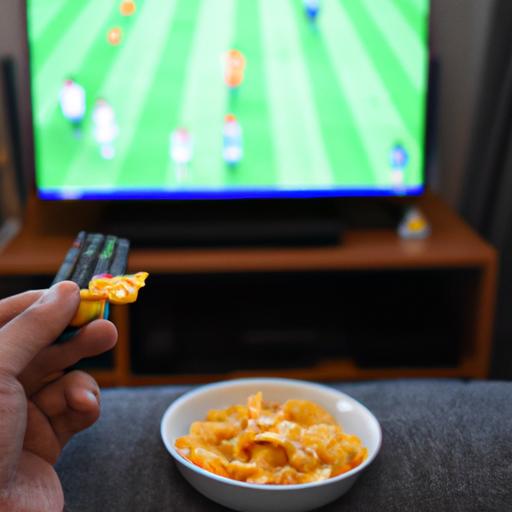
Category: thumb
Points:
column 27, row 334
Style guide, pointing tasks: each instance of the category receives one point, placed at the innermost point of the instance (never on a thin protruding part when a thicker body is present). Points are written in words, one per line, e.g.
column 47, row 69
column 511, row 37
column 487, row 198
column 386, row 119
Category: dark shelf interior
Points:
column 217, row 323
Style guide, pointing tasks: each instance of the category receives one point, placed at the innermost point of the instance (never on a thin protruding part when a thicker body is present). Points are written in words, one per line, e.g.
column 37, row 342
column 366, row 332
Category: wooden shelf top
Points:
column 43, row 242
column 334, row 370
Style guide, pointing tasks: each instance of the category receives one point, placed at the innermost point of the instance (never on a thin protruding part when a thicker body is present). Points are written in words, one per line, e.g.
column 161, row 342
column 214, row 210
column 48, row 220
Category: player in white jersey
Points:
column 72, row 101
column 232, row 144
column 181, row 150
column 105, row 128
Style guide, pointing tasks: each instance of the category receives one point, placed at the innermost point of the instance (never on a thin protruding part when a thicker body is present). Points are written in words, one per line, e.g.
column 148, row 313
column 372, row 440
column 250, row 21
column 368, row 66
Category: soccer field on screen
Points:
column 322, row 104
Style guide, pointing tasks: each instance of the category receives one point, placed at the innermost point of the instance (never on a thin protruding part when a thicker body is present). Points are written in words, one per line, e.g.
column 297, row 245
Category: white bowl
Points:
column 245, row 497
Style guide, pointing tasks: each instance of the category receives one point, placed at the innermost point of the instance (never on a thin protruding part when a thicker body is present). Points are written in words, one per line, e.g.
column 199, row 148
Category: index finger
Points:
column 37, row 326
column 13, row 306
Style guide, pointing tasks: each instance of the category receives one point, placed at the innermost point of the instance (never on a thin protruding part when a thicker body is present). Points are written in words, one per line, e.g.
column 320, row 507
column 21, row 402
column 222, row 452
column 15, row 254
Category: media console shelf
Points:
column 383, row 280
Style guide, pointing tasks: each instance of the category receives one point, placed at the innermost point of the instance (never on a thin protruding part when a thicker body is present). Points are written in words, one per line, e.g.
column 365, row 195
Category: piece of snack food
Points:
column 107, row 288
column 268, row 443
column 97, row 263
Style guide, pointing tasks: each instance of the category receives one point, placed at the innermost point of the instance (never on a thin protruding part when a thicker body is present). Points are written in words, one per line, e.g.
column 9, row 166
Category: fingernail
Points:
column 91, row 397
column 52, row 294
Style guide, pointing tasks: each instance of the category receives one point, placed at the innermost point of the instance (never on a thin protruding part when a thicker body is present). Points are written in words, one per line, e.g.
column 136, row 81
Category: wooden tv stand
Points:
column 452, row 249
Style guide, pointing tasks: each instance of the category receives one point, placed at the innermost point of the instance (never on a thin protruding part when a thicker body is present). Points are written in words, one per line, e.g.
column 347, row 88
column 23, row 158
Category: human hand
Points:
column 41, row 406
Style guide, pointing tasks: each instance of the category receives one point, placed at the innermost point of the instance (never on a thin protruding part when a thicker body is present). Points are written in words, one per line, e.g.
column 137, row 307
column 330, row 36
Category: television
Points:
column 226, row 99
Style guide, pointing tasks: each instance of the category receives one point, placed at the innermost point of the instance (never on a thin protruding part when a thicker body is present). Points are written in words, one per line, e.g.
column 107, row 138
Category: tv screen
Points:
column 199, row 99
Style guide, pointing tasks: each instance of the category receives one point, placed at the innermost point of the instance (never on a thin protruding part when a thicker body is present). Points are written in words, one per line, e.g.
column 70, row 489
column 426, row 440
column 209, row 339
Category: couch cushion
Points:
column 447, row 446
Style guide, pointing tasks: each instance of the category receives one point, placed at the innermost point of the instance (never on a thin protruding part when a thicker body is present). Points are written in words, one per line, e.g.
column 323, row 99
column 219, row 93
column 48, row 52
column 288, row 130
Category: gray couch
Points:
column 447, row 446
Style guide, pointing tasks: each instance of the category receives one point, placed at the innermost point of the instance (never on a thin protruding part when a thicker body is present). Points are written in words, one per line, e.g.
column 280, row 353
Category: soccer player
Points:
column 232, row 143
column 312, row 7
column 127, row 7
column 234, row 68
column 181, row 150
column 72, row 104
column 114, row 36
column 105, row 128
column 399, row 159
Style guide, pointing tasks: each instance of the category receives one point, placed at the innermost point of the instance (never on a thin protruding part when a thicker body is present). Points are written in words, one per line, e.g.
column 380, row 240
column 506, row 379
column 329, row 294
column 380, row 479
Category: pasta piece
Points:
column 254, row 404
column 307, row 413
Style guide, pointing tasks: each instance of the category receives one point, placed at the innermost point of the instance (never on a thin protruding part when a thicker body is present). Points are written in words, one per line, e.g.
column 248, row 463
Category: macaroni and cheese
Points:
column 268, row 443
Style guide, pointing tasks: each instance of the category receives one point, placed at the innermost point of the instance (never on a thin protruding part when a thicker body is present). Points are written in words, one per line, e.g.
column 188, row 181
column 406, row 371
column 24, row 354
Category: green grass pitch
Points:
column 321, row 104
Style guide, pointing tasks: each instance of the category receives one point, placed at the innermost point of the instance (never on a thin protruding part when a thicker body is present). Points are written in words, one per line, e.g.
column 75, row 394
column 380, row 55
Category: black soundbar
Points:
column 296, row 232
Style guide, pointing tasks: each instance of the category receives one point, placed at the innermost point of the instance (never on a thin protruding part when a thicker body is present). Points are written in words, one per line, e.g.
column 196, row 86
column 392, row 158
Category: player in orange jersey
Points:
column 234, row 68
column 127, row 7
column 115, row 36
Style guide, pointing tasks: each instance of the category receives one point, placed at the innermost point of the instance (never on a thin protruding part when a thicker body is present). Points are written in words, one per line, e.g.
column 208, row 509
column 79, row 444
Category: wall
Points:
column 9, row 23
column 12, row 46
column 460, row 30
